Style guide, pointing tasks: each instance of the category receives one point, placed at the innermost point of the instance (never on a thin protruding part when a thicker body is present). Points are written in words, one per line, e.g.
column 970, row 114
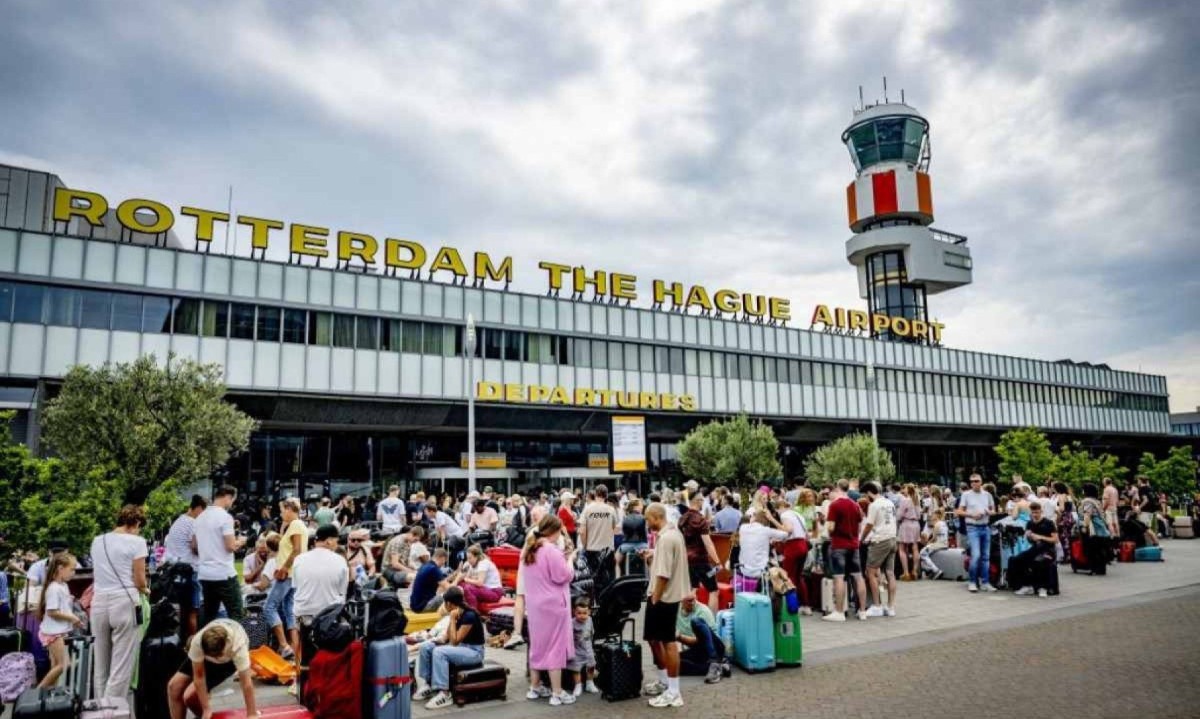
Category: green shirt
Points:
column 324, row 516
column 683, row 624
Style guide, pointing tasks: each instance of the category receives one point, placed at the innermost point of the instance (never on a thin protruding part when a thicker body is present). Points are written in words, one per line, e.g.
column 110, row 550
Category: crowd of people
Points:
column 867, row 538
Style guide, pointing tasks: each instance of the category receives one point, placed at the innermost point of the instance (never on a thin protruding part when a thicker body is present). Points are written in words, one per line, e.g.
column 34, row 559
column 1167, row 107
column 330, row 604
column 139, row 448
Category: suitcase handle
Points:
column 389, row 681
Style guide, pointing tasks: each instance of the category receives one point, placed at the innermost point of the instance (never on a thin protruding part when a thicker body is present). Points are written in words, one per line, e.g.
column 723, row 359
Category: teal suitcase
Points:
column 754, row 634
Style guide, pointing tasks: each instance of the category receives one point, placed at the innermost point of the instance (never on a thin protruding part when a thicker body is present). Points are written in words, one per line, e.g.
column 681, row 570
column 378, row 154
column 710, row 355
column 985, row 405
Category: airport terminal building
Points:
column 351, row 351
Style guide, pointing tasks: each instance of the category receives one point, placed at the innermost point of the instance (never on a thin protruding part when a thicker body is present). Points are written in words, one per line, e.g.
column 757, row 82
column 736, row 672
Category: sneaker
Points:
column 889, row 611
column 654, row 688
column 726, row 669
column 834, row 617
column 862, row 616
column 424, row 693
column 714, row 673
column 806, row 611
column 577, row 691
column 591, row 687
column 875, row 611
column 1043, row 593
column 1024, row 592
column 535, row 693
column 514, row 641
column 288, row 653
column 441, row 701
column 971, row 587
column 562, row 699
column 666, row 699
column 988, row 588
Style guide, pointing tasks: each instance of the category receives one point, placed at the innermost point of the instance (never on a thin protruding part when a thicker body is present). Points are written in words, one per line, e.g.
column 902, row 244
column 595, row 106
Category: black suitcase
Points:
column 14, row 639
column 256, row 628
column 619, row 668
column 500, row 620
column 53, row 703
column 477, row 684
column 160, row 658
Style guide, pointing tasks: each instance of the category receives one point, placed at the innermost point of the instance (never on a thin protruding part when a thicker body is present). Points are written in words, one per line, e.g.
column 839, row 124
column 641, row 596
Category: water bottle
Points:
column 360, row 575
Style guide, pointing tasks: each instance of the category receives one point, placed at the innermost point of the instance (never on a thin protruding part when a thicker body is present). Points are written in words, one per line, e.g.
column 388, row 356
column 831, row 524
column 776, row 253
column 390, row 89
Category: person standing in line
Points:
column 1108, row 502
column 842, row 521
column 547, row 575
column 598, row 527
column 54, row 612
column 216, row 542
column 908, row 533
column 390, row 512
column 320, row 577
column 703, row 561
column 119, row 571
column 975, row 507
column 566, row 514
column 279, row 605
column 880, row 534
column 178, row 546
column 668, row 586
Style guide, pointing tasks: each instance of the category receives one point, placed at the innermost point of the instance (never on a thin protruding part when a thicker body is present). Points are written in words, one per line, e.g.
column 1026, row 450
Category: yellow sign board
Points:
column 484, row 460
column 874, row 323
column 597, row 461
column 583, row 397
column 368, row 251
column 629, row 444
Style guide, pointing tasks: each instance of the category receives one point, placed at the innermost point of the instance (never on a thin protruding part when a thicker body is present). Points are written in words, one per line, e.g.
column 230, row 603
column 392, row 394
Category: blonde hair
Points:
column 55, row 563
column 549, row 525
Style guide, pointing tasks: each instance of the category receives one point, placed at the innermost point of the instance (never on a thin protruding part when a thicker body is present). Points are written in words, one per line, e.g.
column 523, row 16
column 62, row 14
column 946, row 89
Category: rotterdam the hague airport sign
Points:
column 357, row 250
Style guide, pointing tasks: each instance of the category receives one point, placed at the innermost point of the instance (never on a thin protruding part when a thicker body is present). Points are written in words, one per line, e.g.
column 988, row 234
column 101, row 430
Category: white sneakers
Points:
column 889, row 611
column 541, row 692
column 1024, row 592
column 1042, row 593
column 589, row 687
column 834, row 617
column 666, row 699
column 562, row 698
column 971, row 587
column 875, row 611
column 987, row 588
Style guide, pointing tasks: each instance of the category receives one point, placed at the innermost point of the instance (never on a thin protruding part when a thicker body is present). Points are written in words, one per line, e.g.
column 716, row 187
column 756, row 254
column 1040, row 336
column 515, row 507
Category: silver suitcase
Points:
column 950, row 562
column 78, row 674
column 1183, row 528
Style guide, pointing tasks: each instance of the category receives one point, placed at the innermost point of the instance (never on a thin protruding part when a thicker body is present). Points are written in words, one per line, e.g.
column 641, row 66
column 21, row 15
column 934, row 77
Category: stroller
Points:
column 618, row 660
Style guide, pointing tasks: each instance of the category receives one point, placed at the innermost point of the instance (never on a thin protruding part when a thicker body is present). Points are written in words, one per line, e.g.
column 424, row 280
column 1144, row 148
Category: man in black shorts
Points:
column 214, row 654
column 668, row 587
column 701, row 553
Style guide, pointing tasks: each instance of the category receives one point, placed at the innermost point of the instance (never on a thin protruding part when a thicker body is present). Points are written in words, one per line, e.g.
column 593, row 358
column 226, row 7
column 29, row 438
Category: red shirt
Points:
column 568, row 519
column 846, row 518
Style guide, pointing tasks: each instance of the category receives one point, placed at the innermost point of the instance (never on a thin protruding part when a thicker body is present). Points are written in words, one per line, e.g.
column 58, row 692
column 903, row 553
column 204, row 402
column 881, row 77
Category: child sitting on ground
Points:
column 584, row 663
column 937, row 533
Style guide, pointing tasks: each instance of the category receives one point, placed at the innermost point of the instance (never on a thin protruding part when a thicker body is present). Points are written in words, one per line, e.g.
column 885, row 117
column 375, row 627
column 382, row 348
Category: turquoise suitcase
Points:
column 754, row 633
column 1147, row 554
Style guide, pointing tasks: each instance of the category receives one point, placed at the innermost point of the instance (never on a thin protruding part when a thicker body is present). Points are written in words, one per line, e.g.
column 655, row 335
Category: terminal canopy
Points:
column 896, row 138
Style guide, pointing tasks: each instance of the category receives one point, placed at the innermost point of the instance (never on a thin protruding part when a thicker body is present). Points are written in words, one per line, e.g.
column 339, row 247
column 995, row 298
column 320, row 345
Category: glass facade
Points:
column 887, row 139
column 889, row 292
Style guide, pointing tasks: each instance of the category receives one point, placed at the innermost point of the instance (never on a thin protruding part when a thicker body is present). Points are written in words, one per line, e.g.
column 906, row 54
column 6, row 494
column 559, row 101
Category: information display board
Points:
column 628, row 444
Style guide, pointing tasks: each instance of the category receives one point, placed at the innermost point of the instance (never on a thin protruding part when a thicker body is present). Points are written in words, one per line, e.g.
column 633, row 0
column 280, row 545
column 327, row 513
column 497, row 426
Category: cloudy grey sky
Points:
column 696, row 141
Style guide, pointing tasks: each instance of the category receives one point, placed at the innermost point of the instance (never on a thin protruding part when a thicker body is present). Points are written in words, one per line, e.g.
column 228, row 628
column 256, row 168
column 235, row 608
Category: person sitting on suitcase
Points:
column 463, row 648
column 1030, row 570
column 217, row 652
column 55, row 614
column 703, row 653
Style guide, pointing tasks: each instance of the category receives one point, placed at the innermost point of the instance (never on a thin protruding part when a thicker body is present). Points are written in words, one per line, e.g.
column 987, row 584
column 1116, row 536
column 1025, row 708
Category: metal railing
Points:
column 948, row 237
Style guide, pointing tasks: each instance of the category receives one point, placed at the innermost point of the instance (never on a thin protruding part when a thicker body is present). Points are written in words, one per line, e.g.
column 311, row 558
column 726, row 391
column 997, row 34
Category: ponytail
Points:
column 53, row 564
column 549, row 525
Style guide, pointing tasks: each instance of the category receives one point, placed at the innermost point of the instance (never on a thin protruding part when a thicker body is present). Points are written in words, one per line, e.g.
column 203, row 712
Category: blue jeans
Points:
column 278, row 607
column 979, row 538
column 435, row 660
column 694, row 659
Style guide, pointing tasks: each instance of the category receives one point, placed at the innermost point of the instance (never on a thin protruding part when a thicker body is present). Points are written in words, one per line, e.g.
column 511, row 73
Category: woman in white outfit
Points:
column 119, row 570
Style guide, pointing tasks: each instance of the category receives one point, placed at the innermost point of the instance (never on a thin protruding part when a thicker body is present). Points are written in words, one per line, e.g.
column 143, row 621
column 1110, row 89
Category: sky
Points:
column 695, row 141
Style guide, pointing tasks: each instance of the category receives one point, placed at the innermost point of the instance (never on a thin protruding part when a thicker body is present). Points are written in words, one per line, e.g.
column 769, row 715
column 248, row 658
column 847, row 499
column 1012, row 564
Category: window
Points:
column 806, row 372
column 772, row 369
column 491, row 343
column 295, row 326
column 954, row 259
column 126, row 312
column 513, row 344
column 389, row 335
column 647, row 359
column 7, row 290
column 241, row 323
column 582, row 353
column 599, row 354
column 343, row 331
column 718, row 364
column 743, row 363
column 367, row 333
column 187, row 317
column 616, row 355
column 676, row 360
column 631, row 357
column 411, row 337
column 435, row 336
column 691, row 363
column 320, row 328
column 268, row 324
column 562, row 350
column 215, row 320
column 96, row 308
column 706, row 364
column 662, row 362
column 29, row 300
column 538, row 348
column 156, row 314
column 757, row 370
column 61, row 307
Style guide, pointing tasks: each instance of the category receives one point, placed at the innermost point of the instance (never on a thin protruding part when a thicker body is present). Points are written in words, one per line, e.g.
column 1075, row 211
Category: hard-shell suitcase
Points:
column 477, row 684
column 1088, row 554
column 505, row 557
column 288, row 711
column 78, row 675
column 789, row 650
column 754, row 640
column 387, row 680
column 619, row 668
column 160, row 657
column 53, row 703
column 1148, row 554
column 1125, row 551
column 950, row 562
column 724, row 595
column 725, row 628
column 1183, row 528
column 827, row 595
column 14, row 639
column 106, row 708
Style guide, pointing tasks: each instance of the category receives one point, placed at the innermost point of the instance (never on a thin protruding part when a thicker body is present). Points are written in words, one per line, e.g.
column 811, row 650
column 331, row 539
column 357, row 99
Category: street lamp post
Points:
column 871, row 409
column 469, row 348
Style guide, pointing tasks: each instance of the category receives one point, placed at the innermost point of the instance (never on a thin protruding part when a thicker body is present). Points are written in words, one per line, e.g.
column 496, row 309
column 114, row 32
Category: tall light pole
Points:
column 469, row 348
column 871, row 408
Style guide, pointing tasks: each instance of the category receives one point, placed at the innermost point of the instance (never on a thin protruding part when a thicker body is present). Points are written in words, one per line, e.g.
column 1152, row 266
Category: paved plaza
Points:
column 940, row 630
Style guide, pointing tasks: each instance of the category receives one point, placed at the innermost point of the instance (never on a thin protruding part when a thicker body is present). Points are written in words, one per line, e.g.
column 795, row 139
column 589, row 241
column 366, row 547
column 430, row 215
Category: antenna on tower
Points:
column 861, row 104
column 885, row 89
column 902, row 97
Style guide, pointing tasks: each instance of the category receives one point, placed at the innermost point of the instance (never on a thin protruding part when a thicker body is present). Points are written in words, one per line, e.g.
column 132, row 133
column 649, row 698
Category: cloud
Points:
column 697, row 142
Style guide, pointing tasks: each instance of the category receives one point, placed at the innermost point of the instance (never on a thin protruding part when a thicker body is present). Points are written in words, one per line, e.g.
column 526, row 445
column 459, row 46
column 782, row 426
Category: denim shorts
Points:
column 844, row 562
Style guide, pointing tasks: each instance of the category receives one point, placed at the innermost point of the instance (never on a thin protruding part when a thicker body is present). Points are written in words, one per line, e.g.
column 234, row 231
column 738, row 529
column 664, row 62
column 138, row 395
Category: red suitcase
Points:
column 724, row 595
column 289, row 711
column 1127, row 552
column 505, row 557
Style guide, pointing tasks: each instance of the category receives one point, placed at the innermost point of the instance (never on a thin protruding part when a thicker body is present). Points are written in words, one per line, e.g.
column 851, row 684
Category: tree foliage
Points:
column 1174, row 474
column 154, row 425
column 855, row 456
column 734, row 451
column 1075, row 465
column 1025, row 451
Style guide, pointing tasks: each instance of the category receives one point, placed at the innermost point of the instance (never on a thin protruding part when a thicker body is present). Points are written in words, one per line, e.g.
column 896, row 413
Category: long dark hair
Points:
column 549, row 526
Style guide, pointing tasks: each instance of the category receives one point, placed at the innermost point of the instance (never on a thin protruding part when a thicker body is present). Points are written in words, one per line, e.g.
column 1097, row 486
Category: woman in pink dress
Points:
column 547, row 576
column 908, row 533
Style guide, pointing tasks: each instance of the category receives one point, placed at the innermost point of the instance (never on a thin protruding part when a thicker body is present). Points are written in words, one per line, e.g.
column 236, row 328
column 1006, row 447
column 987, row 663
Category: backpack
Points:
column 164, row 619
column 330, row 629
column 387, row 617
column 17, row 674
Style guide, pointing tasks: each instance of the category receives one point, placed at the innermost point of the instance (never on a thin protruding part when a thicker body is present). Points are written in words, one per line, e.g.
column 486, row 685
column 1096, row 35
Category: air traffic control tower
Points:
column 900, row 258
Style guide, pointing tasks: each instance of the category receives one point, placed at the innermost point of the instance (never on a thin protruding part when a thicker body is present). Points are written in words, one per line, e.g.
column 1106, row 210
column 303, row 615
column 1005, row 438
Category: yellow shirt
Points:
column 296, row 528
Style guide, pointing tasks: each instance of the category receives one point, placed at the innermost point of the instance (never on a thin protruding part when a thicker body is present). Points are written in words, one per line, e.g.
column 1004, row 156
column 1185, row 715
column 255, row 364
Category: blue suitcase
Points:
column 754, row 637
column 1147, row 554
column 388, row 683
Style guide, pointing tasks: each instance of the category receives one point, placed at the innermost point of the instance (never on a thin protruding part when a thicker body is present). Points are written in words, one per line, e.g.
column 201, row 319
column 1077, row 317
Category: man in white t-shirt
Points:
column 879, row 532
column 178, row 548
column 215, row 542
column 449, row 531
column 390, row 511
column 320, row 576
